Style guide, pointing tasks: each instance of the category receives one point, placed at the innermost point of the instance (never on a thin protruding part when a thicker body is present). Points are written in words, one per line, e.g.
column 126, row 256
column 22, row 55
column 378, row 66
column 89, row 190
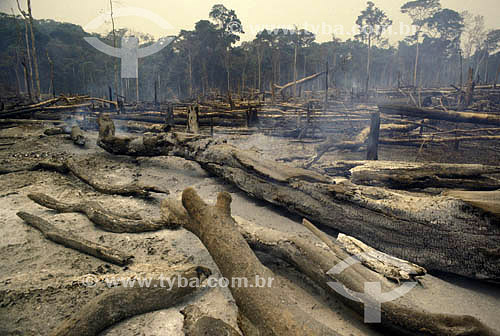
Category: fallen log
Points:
column 411, row 175
column 29, row 108
column 70, row 166
column 435, row 140
column 132, row 189
column 458, row 117
column 436, row 232
column 119, row 303
column 143, row 127
column 77, row 136
column 101, row 217
column 29, row 121
column 298, row 82
column 332, row 143
column 488, row 201
column 198, row 324
column 56, row 131
column 399, row 316
column 315, row 261
column 75, row 242
column 263, row 306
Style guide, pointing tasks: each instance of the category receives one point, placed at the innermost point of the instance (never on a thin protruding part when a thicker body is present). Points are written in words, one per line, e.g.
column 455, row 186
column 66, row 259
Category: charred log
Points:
column 75, row 242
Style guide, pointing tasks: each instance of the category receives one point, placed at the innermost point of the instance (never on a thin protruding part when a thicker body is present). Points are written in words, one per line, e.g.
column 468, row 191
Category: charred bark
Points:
column 119, row 303
column 436, row 232
column 75, row 242
column 103, row 218
column 263, row 306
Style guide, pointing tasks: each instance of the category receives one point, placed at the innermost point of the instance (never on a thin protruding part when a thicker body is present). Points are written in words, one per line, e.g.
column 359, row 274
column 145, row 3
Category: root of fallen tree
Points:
column 119, row 303
column 101, row 217
column 436, row 232
column 71, row 166
column 75, row 242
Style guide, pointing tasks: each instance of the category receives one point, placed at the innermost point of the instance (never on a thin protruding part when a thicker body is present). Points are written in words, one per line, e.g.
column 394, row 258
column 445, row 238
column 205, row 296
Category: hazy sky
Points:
column 319, row 16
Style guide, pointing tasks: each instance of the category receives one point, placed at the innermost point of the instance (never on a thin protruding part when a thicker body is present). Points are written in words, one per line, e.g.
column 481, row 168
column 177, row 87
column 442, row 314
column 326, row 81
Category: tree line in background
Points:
column 45, row 56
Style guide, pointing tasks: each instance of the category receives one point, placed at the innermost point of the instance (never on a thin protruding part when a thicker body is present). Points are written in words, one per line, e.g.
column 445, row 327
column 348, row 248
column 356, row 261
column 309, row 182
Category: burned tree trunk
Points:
column 412, row 175
column 315, row 261
column 372, row 152
column 78, row 136
column 437, row 232
column 399, row 316
column 120, row 303
column 192, row 124
column 75, row 242
column 460, row 117
column 262, row 304
column 103, row 218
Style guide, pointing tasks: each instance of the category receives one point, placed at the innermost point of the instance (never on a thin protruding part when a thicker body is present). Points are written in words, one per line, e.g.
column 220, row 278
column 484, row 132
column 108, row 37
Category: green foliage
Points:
column 202, row 59
column 372, row 23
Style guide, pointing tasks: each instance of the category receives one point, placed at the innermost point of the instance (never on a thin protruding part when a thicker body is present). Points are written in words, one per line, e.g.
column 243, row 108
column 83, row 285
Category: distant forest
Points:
column 209, row 58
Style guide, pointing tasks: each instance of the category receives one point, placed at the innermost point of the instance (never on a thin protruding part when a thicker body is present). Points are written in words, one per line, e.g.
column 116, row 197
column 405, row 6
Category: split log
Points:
column 78, row 136
column 390, row 267
column 410, row 175
column 458, row 117
column 436, row 232
column 120, row 303
column 75, row 242
column 488, row 201
column 263, row 306
column 103, row 218
column 314, row 261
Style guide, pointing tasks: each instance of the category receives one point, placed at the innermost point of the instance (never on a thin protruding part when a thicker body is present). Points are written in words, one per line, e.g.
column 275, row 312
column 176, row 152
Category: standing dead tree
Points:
column 31, row 54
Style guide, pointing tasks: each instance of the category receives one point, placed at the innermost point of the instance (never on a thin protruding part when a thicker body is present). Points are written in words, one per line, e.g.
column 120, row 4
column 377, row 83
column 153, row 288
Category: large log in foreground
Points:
column 461, row 117
column 262, row 305
column 315, row 261
column 119, row 303
column 437, row 232
column 401, row 316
